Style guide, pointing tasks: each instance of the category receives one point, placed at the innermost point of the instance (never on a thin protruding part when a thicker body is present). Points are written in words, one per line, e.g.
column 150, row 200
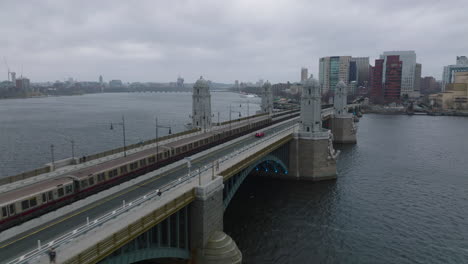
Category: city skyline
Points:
column 239, row 40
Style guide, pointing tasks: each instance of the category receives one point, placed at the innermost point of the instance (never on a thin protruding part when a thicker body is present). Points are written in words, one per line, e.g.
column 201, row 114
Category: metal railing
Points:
column 154, row 194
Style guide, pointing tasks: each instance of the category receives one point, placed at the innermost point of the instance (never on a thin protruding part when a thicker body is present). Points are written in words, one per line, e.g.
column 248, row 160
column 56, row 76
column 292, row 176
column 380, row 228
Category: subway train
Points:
column 22, row 204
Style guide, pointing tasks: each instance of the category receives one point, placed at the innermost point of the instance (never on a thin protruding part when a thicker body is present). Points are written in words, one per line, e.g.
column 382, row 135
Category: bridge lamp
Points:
column 123, row 131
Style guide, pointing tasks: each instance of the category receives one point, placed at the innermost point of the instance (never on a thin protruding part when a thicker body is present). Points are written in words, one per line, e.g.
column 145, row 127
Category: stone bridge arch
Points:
column 268, row 164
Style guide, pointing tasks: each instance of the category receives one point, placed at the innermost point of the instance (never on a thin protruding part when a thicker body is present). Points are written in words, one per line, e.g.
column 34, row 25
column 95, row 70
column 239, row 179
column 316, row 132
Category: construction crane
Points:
column 8, row 68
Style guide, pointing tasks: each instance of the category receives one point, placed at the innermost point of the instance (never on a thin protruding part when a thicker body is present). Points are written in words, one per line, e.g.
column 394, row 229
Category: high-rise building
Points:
column 450, row 70
column 376, row 92
column 417, row 77
column 236, row 84
column 408, row 58
column 353, row 71
column 362, row 64
column 386, row 79
column 332, row 70
column 304, row 74
column 429, row 85
column 391, row 78
column 100, row 80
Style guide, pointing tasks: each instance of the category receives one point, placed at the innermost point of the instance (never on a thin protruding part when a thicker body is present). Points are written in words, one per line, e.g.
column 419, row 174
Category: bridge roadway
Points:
column 25, row 242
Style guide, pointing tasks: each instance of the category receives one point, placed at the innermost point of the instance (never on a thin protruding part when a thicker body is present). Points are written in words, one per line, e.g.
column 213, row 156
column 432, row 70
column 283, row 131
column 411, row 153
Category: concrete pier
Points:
column 312, row 157
column 344, row 130
column 208, row 241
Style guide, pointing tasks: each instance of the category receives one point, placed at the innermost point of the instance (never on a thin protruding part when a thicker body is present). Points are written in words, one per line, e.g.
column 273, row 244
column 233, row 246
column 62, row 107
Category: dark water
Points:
column 29, row 126
column 401, row 197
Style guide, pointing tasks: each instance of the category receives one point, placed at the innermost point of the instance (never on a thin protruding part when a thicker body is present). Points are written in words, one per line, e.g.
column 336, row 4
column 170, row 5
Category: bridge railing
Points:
column 154, row 194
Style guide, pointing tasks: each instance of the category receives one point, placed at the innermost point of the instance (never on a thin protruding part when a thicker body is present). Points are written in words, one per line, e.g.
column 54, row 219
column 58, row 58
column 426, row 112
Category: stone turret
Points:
column 311, row 153
column 201, row 105
column 343, row 128
column 340, row 100
column 311, row 119
column 267, row 99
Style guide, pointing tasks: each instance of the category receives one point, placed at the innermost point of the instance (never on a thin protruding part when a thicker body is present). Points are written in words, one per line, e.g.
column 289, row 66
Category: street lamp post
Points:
column 157, row 136
column 230, row 116
column 123, row 132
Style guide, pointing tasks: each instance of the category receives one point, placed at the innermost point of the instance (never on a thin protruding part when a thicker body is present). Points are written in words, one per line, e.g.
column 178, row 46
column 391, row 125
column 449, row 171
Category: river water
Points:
column 29, row 126
column 401, row 197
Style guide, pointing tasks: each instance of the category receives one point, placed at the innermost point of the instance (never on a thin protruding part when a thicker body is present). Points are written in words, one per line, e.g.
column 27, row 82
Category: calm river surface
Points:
column 401, row 197
column 29, row 126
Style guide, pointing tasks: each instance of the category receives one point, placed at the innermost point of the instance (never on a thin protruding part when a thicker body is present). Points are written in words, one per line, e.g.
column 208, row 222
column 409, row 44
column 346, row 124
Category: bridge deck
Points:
column 26, row 241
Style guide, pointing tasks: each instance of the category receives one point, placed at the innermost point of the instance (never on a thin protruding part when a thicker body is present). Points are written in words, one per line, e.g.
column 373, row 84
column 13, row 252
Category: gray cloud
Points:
column 222, row 40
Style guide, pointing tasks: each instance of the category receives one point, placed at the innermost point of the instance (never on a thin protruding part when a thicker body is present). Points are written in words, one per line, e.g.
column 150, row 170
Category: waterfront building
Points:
column 23, row 84
column 448, row 74
column 417, row 79
column 115, row 83
column 408, row 75
column 455, row 96
column 429, row 85
column 362, row 65
column 376, row 92
column 332, row 70
column 391, row 78
column 353, row 72
column 304, row 74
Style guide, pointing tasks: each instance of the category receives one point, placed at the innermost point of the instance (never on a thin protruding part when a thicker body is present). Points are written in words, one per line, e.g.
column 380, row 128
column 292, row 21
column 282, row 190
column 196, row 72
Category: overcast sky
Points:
column 221, row 40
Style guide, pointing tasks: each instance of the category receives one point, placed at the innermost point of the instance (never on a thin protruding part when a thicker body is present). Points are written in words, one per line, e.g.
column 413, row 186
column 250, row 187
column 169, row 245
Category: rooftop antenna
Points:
column 8, row 68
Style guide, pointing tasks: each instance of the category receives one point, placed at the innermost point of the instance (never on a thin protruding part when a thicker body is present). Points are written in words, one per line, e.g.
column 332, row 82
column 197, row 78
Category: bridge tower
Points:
column 267, row 99
column 312, row 156
column 343, row 128
column 201, row 105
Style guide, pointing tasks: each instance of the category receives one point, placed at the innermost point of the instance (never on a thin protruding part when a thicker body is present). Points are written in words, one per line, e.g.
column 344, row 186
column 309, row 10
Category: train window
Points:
column 134, row 166
column 142, row 163
column 68, row 188
column 91, row 181
column 151, row 159
column 33, row 202
column 25, row 205
column 4, row 212
column 123, row 169
column 115, row 172
column 177, row 150
column 44, row 197
column 100, row 177
column 51, row 196
column 84, row 183
column 12, row 209
column 60, row 192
